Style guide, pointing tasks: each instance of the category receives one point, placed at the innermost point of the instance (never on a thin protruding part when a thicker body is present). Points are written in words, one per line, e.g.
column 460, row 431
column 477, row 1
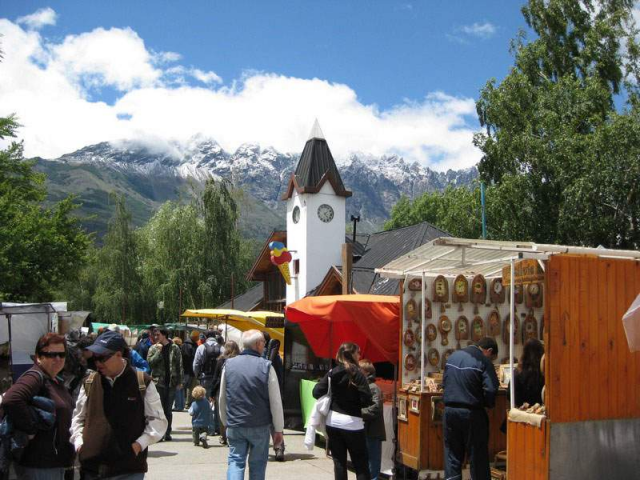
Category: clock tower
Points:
column 316, row 215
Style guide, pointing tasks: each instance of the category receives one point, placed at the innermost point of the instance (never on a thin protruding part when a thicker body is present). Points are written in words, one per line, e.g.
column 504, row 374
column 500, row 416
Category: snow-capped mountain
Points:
column 263, row 173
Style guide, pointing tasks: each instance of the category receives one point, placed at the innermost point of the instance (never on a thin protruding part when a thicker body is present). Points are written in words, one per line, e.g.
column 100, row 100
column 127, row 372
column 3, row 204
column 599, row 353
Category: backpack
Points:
column 142, row 383
column 211, row 354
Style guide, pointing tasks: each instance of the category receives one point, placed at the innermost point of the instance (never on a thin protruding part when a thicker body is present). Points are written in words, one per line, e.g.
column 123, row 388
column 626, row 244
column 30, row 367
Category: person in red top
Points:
column 49, row 452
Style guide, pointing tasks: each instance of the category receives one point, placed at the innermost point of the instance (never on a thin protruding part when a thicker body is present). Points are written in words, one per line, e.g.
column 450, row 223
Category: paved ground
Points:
column 180, row 459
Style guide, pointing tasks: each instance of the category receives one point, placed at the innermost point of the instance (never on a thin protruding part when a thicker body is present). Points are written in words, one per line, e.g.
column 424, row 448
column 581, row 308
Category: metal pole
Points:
column 512, row 400
column 422, row 338
column 484, row 220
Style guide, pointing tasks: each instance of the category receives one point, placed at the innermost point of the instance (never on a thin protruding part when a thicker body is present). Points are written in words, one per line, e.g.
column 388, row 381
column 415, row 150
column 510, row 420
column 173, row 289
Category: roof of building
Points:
column 262, row 265
column 246, row 302
column 315, row 167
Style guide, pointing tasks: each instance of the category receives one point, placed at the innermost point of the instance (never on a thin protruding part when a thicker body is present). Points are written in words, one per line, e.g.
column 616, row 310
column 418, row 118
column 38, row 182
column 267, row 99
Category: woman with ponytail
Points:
column 350, row 393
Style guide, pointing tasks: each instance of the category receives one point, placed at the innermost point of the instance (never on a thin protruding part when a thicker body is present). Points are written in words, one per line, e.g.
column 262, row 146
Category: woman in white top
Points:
column 345, row 428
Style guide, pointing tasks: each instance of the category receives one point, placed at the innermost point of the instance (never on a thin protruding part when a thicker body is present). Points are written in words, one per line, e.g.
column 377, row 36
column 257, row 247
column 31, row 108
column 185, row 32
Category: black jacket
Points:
column 373, row 415
column 188, row 350
column 470, row 380
column 347, row 396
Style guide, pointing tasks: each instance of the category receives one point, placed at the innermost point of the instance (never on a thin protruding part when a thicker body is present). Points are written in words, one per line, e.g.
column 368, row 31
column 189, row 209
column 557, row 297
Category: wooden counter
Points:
column 420, row 440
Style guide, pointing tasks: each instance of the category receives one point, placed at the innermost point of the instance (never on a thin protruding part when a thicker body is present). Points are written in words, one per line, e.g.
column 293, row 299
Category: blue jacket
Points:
column 470, row 380
column 200, row 410
column 139, row 363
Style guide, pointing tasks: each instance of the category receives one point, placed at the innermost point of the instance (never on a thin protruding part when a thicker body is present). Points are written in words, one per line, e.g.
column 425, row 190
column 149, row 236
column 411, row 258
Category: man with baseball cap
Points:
column 117, row 416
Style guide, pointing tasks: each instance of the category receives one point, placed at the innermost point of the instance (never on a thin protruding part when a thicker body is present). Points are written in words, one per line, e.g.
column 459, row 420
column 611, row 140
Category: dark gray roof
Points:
column 247, row 301
column 316, row 161
column 383, row 247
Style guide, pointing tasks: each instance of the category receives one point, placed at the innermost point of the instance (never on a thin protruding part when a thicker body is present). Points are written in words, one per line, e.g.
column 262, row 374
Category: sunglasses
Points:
column 53, row 354
column 103, row 358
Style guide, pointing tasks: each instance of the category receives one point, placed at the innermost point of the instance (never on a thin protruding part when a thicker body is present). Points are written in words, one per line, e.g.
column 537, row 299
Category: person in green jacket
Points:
column 165, row 360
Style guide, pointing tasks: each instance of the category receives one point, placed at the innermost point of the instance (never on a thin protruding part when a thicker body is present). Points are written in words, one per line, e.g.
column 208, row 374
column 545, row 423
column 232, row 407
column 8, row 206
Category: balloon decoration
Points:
column 281, row 258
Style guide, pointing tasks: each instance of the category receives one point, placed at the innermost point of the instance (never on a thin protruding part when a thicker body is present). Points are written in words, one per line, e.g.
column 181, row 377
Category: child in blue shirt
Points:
column 202, row 415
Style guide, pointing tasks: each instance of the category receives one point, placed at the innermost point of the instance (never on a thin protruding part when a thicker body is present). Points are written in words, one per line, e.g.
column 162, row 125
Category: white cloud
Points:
column 482, row 30
column 40, row 18
column 50, row 87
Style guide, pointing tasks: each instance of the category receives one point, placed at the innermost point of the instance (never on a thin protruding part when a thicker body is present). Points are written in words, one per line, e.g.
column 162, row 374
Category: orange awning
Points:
column 371, row 321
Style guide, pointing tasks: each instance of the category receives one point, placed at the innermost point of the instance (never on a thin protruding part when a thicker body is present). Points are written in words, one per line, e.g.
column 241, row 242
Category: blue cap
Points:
column 107, row 343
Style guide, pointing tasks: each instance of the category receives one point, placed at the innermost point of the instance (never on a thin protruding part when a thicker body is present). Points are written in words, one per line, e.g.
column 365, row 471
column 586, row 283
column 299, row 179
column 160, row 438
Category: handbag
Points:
column 323, row 404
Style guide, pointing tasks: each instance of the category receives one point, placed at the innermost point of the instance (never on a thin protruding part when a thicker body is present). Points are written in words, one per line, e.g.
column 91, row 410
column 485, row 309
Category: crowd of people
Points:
column 98, row 403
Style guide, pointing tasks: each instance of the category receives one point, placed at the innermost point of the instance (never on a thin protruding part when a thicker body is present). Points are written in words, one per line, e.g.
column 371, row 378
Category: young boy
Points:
column 373, row 421
column 200, row 410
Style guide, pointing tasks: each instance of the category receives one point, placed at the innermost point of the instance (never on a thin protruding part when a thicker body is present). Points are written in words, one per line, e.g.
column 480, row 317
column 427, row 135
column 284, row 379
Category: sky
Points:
column 382, row 77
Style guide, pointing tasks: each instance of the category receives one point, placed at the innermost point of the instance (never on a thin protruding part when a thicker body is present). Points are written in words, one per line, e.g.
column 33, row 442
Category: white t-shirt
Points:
column 344, row 422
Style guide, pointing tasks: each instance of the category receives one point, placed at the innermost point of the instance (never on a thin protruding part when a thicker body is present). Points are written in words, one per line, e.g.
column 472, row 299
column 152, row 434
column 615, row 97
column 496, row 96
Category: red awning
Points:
column 371, row 321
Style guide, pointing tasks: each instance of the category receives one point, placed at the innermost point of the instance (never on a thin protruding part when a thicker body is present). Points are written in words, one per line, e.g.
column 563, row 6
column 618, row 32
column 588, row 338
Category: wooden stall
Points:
column 592, row 419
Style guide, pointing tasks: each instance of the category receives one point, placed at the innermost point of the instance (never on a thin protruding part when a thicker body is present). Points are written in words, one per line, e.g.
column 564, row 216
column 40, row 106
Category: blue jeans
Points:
column 374, row 447
column 28, row 473
column 178, row 403
column 253, row 442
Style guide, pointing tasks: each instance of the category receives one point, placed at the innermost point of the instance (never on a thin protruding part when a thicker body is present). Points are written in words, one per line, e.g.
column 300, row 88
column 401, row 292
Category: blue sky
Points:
column 400, row 70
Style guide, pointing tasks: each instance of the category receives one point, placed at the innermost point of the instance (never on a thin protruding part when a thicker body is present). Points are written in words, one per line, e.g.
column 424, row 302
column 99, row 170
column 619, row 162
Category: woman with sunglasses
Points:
column 49, row 452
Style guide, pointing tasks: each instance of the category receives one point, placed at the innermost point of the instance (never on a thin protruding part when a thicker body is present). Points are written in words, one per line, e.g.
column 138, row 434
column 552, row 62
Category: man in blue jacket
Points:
column 470, row 386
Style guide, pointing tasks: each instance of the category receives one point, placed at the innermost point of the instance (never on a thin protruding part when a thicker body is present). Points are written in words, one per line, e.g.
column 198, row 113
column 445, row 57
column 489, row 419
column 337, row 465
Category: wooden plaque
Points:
column 432, row 332
column 409, row 338
column 533, row 295
column 444, row 327
column 493, row 324
column 506, row 328
column 441, row 289
column 433, row 357
column 462, row 328
column 530, row 327
column 411, row 309
column 410, row 362
column 460, row 290
column 477, row 329
column 478, row 290
column 427, row 308
column 496, row 291
column 415, row 284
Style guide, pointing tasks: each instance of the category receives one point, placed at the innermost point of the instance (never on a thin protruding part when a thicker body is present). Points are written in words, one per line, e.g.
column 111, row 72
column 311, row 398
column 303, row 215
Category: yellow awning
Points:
column 243, row 321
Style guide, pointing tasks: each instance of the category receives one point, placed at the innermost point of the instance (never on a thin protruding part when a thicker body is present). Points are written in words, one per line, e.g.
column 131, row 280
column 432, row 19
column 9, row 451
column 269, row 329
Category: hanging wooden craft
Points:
column 433, row 357
column 409, row 339
column 462, row 330
column 445, row 328
column 518, row 294
column 441, row 291
column 427, row 308
column 493, row 323
column 415, row 284
column 411, row 309
column 477, row 329
column 410, row 362
column 478, row 292
column 418, row 343
column 460, row 291
column 530, row 327
column 432, row 333
column 445, row 356
column 507, row 327
column 496, row 291
column 533, row 295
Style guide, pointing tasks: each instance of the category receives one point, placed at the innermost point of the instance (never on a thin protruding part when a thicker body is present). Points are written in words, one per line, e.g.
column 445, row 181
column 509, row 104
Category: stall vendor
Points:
column 470, row 386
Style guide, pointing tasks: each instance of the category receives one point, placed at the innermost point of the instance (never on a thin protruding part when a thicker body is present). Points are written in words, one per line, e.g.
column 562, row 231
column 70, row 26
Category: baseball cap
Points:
column 108, row 342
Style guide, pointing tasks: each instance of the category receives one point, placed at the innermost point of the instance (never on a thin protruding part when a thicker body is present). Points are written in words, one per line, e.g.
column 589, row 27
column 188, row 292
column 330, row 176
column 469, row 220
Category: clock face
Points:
column 296, row 214
column 325, row 213
column 497, row 287
column 440, row 287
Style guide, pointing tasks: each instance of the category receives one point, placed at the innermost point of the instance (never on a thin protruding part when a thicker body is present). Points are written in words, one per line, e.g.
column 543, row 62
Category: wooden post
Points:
column 347, row 261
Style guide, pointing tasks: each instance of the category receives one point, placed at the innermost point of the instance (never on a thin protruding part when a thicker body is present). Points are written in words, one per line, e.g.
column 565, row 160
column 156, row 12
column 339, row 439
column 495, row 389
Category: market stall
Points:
column 455, row 291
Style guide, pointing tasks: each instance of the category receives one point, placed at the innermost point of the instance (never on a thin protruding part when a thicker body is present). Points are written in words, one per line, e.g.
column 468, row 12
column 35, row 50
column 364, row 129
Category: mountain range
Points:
column 148, row 177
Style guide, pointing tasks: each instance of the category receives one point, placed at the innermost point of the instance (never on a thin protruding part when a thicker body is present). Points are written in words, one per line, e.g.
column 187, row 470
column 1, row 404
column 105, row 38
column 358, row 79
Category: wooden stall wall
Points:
column 590, row 372
column 528, row 447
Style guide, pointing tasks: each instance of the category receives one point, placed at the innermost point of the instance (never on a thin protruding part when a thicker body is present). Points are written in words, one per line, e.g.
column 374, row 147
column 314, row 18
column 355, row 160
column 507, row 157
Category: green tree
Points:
column 39, row 247
column 119, row 295
column 552, row 135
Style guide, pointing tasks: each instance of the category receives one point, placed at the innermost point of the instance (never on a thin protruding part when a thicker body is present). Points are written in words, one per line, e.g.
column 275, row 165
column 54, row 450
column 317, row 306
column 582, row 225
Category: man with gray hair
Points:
column 249, row 404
